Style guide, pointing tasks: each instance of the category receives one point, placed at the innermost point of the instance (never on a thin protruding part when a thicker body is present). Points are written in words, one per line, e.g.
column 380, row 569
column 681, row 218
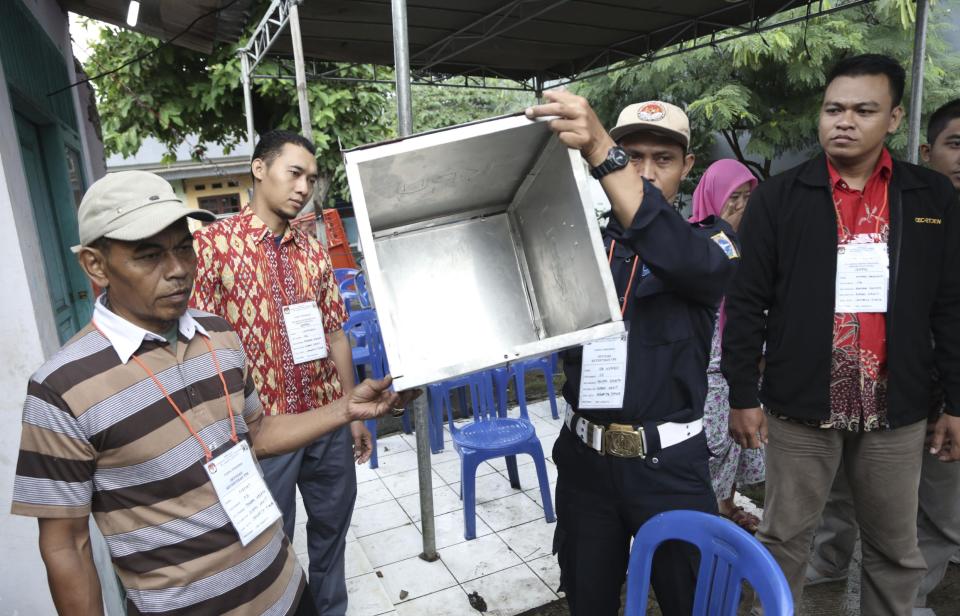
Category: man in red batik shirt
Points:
column 275, row 285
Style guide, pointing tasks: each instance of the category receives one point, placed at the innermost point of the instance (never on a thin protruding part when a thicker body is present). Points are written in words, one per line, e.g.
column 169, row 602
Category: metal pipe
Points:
column 428, row 525
column 916, row 90
column 306, row 128
column 247, row 98
column 401, row 60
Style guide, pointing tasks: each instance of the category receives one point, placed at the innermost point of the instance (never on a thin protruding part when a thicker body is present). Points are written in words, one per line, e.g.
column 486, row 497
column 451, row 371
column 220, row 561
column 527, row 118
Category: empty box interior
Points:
column 479, row 248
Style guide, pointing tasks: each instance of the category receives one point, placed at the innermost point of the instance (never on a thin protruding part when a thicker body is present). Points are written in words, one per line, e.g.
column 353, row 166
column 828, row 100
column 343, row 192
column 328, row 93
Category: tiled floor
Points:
column 509, row 563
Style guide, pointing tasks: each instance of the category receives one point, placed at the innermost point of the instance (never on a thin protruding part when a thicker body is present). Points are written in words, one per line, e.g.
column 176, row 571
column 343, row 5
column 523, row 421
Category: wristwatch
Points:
column 616, row 159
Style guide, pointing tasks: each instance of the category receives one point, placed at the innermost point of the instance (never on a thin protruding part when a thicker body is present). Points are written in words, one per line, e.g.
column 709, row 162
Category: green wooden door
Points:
column 55, row 251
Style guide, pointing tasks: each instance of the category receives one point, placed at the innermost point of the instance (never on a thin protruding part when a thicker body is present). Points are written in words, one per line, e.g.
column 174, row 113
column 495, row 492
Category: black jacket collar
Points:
column 814, row 173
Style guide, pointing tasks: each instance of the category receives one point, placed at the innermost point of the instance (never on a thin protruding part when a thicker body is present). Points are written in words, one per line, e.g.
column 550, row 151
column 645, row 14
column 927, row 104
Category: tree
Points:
column 174, row 94
column 761, row 94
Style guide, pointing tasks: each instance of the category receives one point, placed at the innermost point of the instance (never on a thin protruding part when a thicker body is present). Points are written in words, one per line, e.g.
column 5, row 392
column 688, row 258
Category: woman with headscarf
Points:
column 723, row 191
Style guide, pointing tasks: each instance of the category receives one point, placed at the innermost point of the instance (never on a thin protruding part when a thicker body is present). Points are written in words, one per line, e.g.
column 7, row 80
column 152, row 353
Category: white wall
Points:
column 27, row 332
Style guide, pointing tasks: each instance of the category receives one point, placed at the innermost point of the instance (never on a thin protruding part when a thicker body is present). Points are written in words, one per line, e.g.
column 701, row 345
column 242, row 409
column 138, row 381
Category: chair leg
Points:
column 512, row 473
column 544, row 480
column 468, row 493
column 405, row 420
column 435, row 404
column 552, row 394
column 372, row 426
column 521, row 385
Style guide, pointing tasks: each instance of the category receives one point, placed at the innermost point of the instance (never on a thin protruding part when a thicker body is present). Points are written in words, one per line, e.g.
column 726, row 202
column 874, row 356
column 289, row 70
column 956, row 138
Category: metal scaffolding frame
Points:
column 685, row 37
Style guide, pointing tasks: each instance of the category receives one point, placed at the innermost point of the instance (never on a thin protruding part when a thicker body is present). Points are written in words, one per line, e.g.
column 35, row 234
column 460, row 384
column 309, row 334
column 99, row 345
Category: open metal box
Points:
column 481, row 248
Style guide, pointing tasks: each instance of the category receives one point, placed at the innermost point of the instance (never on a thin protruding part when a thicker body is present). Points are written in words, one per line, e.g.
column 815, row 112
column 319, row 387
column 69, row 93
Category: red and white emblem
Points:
column 651, row 112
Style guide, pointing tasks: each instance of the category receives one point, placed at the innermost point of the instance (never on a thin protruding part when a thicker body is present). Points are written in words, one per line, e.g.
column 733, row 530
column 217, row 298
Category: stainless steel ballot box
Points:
column 481, row 248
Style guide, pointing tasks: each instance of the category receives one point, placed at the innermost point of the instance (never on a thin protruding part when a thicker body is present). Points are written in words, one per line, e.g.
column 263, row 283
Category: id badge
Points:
column 242, row 492
column 863, row 277
column 603, row 374
column 308, row 341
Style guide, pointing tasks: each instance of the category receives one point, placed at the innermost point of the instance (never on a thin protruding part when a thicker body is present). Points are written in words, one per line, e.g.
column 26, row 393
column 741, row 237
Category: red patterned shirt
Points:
column 246, row 276
column 858, row 375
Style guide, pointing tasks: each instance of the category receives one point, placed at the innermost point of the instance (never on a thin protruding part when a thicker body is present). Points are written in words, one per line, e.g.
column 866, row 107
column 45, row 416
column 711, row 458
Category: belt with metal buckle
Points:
column 627, row 441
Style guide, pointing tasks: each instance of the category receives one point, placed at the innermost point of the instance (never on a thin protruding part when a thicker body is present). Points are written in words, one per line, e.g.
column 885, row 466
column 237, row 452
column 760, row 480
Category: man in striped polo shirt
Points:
column 146, row 419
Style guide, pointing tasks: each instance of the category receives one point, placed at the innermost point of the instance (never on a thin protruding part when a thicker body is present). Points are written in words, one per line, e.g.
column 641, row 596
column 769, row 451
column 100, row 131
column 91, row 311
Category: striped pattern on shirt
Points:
column 99, row 437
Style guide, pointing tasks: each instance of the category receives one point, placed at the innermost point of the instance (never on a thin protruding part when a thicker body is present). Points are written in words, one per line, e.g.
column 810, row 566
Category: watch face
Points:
column 618, row 156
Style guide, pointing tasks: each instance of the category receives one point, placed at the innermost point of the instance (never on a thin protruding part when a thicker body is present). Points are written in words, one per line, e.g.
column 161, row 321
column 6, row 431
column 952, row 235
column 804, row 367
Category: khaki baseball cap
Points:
column 656, row 117
column 131, row 206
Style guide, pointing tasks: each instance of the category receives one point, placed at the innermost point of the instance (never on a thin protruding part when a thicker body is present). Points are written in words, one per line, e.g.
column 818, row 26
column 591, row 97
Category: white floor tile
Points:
column 449, row 529
column 365, row 473
column 541, row 409
column 392, row 545
column 367, row 596
column 547, row 570
column 351, row 536
column 300, row 538
column 304, row 561
column 376, row 518
column 545, row 427
column 508, row 512
column 445, row 500
column 534, row 493
column 449, row 602
column 371, row 493
column 531, row 540
column 416, row 577
column 547, row 443
column 407, row 482
column 501, row 463
column 391, row 445
column 449, row 470
column 511, row 591
column 493, row 486
column 482, row 556
column 528, row 475
column 398, row 463
column 301, row 509
column 356, row 561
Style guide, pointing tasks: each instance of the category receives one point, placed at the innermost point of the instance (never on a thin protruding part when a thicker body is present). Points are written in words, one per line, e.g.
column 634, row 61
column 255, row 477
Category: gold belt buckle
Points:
column 623, row 441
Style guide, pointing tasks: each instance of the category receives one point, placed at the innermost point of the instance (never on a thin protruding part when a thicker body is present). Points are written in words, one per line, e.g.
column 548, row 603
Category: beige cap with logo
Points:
column 653, row 116
column 131, row 206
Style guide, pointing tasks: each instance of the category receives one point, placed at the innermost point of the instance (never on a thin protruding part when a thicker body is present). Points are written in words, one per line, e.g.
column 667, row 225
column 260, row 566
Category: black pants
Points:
column 601, row 503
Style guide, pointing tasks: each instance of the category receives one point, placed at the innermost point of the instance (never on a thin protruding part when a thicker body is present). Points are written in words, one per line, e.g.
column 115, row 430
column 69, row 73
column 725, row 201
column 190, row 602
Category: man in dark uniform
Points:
column 620, row 466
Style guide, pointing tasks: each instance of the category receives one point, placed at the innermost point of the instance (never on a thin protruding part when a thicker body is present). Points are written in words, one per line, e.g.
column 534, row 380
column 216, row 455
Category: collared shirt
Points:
column 126, row 338
column 247, row 277
column 858, row 378
column 100, row 438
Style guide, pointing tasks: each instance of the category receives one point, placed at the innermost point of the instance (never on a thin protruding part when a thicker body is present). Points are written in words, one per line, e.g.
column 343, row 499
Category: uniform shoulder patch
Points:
column 726, row 245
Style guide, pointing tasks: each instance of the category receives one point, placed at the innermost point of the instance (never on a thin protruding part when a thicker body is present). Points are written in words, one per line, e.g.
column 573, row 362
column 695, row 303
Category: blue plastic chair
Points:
column 344, row 273
column 354, row 291
column 369, row 359
column 491, row 435
column 728, row 556
column 363, row 332
column 518, row 371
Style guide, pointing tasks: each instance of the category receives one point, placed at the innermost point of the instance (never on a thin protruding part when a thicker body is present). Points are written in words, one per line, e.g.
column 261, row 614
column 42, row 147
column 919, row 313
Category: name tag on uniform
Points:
column 863, row 277
column 242, row 492
column 603, row 374
column 308, row 341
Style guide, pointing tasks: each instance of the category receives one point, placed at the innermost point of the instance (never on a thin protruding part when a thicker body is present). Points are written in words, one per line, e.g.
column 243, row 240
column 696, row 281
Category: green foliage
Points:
column 175, row 94
column 761, row 94
column 441, row 106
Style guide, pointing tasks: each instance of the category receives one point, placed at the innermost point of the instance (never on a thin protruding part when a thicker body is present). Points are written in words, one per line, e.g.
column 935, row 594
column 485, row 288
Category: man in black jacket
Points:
column 622, row 458
column 850, row 261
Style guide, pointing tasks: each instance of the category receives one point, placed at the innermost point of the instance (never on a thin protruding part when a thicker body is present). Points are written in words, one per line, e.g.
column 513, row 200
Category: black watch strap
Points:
column 616, row 159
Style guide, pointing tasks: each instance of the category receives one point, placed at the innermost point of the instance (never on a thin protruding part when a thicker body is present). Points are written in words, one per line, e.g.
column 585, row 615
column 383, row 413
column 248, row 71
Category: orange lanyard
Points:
column 626, row 296
column 226, row 393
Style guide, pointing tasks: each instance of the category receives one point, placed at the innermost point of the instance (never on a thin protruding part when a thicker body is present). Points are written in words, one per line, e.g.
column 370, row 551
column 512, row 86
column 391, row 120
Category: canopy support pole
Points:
column 916, row 91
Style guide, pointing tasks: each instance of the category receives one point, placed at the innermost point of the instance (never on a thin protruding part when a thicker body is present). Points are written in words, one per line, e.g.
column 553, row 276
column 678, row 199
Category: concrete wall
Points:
column 191, row 194
column 27, row 329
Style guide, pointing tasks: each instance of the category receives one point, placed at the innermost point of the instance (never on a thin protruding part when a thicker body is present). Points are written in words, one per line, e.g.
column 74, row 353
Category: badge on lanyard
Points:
column 603, row 374
column 863, row 277
column 304, row 325
column 242, row 492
